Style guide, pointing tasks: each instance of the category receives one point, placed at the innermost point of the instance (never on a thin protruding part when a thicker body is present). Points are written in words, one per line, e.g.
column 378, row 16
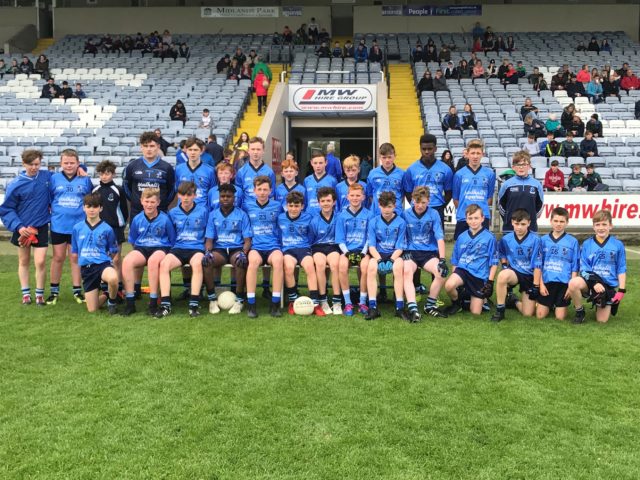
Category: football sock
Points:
column 39, row 292
column 131, row 298
column 500, row 307
column 153, row 299
column 275, row 297
column 323, row 298
column 363, row 299
column 193, row 300
column 55, row 289
column 336, row 299
column 77, row 290
column 137, row 287
column 314, row 296
column 27, row 291
column 579, row 309
column 412, row 306
column 431, row 302
column 373, row 303
column 251, row 298
column 399, row 304
column 347, row 297
column 164, row 301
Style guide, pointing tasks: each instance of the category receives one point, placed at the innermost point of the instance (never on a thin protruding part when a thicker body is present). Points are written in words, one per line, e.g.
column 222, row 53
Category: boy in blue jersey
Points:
column 318, row 179
column 289, row 182
column 266, row 246
column 473, row 183
column 603, row 269
column 386, row 237
column 475, row 262
column 224, row 174
column 67, row 189
column 351, row 237
column 425, row 250
column 190, row 222
column 385, row 178
column 194, row 170
column 520, row 191
column 557, row 262
column 252, row 169
column 25, row 212
column 152, row 235
column 325, row 249
column 295, row 232
column 351, row 166
column 93, row 245
column 228, row 241
column 517, row 251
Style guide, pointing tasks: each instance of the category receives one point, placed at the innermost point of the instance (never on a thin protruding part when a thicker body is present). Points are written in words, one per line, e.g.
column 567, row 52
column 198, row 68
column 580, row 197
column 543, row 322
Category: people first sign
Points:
column 332, row 98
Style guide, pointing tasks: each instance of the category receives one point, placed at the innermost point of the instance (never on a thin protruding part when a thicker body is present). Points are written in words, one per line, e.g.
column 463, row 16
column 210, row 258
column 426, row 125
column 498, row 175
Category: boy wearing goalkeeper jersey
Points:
column 475, row 262
column 351, row 237
column 603, row 267
column 425, row 250
column 517, row 251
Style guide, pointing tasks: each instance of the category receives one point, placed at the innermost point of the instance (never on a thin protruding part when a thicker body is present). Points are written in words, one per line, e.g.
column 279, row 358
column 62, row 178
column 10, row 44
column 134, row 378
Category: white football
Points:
column 226, row 300
column 303, row 306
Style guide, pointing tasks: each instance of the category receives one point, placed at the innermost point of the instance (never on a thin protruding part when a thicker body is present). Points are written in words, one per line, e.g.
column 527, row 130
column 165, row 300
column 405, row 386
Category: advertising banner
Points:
column 625, row 208
column 430, row 10
column 332, row 98
column 291, row 11
column 239, row 12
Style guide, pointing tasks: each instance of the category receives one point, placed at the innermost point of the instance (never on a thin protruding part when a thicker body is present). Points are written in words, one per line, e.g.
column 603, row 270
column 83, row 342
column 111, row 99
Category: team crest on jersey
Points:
column 110, row 197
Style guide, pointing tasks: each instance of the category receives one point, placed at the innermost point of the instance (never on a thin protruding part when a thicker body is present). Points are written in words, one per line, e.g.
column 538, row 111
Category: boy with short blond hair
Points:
column 289, row 182
column 603, row 271
column 351, row 168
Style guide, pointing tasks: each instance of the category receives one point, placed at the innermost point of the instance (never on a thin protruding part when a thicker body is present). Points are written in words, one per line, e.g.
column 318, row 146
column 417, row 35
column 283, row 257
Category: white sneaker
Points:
column 237, row 308
column 213, row 307
column 337, row 309
column 326, row 308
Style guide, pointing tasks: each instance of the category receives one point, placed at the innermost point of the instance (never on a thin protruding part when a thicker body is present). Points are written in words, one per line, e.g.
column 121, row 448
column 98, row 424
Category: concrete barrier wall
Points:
column 273, row 126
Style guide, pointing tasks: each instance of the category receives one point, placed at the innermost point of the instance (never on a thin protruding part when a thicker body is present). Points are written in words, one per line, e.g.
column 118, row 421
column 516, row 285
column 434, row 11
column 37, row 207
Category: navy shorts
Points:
column 525, row 281
column 325, row 248
column 265, row 254
column 385, row 256
column 299, row 253
column 184, row 254
column 226, row 253
column 148, row 251
column 461, row 227
column 42, row 235
column 473, row 285
column 59, row 238
column 421, row 257
column 555, row 297
column 92, row 275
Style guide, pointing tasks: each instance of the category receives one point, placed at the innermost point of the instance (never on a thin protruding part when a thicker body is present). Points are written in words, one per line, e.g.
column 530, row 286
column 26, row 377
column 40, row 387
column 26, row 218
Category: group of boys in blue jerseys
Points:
column 319, row 224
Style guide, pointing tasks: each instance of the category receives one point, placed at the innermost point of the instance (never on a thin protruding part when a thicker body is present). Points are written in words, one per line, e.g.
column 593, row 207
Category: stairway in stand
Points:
column 404, row 115
column 251, row 122
column 43, row 44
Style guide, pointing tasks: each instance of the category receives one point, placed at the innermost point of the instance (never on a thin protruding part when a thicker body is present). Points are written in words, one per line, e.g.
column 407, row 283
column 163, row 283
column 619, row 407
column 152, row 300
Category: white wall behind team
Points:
column 177, row 19
column 514, row 18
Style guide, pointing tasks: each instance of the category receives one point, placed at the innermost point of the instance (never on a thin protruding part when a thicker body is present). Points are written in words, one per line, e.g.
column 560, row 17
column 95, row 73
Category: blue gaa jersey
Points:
column 157, row 232
column 438, row 178
column 245, row 176
column 476, row 253
column 282, row 191
column 323, row 230
column 213, row 202
column 521, row 254
column 139, row 175
column 607, row 259
column 558, row 257
column 311, row 186
column 423, row 231
column 264, row 224
column 387, row 236
column 93, row 244
column 296, row 232
column 190, row 226
column 352, row 229
column 26, row 202
column 473, row 187
column 342, row 189
column 380, row 180
column 230, row 230
column 520, row 192
column 66, row 201
column 203, row 176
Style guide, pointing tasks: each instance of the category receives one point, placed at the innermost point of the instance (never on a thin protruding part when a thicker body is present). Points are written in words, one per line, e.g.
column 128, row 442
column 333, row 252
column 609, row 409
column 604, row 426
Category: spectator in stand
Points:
column 313, row 30
column 14, row 68
column 26, row 66
column 178, row 112
column 90, row 47
column 334, row 166
column 520, row 70
column 553, row 125
column 630, row 81
column 469, row 121
column 511, row 77
column 337, row 50
column 324, row 36
column 478, row 31
column 245, row 71
column 361, row 54
column 593, row 180
column 533, row 126
column 577, row 180
column 594, row 90
column 581, row 47
column 559, row 81
column 477, row 46
column 606, row 46
column 543, row 145
column 205, row 119
column 260, row 66
column 166, row 37
column 449, row 71
column 488, row 44
column 66, row 91
column 445, row 54
column 583, row 75
column 261, row 87
column 554, row 178
column 588, row 146
column 426, row 83
column 569, row 147
column 365, row 167
column 553, row 148
column 3, row 68
column 502, row 69
column 375, row 54
column 223, row 64
column 234, row 70
column 439, row 82
column 511, row 45
column 302, row 38
column 527, row 108
column 567, row 116
column 478, row 70
column 622, row 72
column 417, row 55
column 239, row 56
column 637, row 110
column 323, row 51
column 593, row 46
column 492, row 70
column 575, row 88
column 532, row 145
column 447, row 158
column 462, row 70
column 287, row 35
column 214, row 149
column 50, row 90
column 451, row 120
column 500, row 45
column 594, row 125
column 164, row 144
column 594, row 72
column 184, row 51
column 42, row 66
column 610, row 88
column 577, row 126
column 243, row 141
column 430, row 55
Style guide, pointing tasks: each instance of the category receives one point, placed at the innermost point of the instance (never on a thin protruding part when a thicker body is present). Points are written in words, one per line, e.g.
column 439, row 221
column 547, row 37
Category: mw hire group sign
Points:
column 332, row 98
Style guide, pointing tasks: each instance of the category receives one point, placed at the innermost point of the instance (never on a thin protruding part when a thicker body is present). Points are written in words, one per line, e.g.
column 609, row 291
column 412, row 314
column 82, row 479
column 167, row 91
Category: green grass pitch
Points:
column 95, row 397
